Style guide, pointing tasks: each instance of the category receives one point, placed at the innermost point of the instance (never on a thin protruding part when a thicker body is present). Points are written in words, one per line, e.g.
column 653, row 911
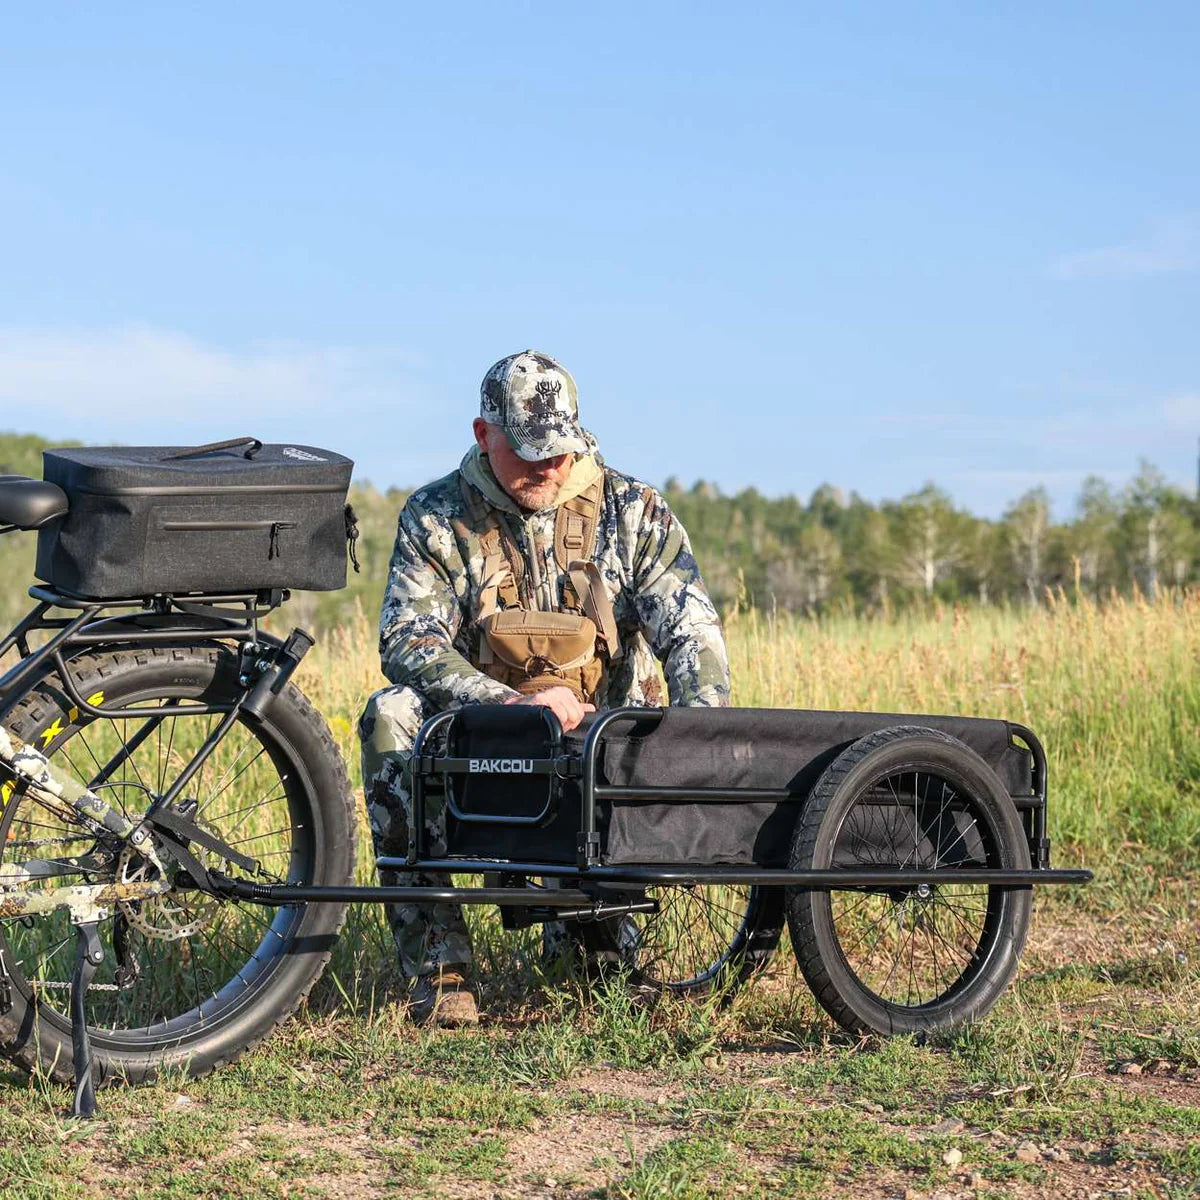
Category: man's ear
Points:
column 480, row 428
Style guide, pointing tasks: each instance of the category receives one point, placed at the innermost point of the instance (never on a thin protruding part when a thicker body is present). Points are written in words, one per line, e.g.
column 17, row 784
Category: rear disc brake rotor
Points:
column 175, row 914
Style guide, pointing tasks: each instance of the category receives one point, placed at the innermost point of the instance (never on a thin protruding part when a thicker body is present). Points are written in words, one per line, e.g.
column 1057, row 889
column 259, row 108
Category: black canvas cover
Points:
column 151, row 519
column 770, row 749
column 753, row 748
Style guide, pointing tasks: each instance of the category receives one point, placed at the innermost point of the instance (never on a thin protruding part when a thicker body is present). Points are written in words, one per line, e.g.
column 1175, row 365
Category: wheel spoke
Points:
column 689, row 942
column 191, row 960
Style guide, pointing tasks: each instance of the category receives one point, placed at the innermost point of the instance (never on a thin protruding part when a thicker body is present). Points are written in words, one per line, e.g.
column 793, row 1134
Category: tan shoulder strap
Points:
column 575, row 526
column 502, row 566
column 593, row 598
column 495, row 571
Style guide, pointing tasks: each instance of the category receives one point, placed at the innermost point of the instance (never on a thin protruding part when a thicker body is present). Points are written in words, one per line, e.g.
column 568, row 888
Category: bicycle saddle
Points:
column 30, row 503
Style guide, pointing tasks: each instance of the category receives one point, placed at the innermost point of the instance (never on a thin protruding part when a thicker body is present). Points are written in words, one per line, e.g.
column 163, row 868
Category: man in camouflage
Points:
column 531, row 460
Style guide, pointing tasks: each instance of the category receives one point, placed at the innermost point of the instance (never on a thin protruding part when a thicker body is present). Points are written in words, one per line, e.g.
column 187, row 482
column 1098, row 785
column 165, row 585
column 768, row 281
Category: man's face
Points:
column 533, row 485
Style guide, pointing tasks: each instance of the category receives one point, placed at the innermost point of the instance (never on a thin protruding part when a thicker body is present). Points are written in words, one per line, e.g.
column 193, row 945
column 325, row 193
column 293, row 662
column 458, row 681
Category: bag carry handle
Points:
column 253, row 446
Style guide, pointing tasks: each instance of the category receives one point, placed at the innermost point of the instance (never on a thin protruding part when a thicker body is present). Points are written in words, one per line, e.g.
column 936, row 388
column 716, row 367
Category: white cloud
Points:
column 1171, row 246
column 160, row 376
column 144, row 385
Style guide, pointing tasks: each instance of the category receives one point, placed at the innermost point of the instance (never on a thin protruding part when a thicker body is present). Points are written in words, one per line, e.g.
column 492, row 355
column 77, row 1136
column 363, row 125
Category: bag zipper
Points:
column 202, row 526
column 275, row 527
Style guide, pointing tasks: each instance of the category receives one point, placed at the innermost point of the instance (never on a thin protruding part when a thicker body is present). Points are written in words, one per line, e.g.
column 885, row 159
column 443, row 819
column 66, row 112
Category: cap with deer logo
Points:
column 533, row 398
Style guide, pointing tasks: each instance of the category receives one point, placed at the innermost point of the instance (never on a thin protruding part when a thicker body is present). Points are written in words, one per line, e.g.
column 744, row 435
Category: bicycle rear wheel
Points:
column 189, row 981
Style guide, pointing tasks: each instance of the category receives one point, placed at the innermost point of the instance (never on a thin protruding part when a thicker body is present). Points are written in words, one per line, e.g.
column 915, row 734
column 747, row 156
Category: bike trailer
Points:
column 694, row 786
column 902, row 851
column 227, row 517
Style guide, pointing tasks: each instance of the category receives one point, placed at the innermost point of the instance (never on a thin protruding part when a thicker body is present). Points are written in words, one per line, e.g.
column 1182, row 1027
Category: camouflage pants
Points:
column 427, row 936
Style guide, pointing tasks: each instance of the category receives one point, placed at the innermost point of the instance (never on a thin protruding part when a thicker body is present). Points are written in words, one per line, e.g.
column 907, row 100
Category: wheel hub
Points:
column 175, row 914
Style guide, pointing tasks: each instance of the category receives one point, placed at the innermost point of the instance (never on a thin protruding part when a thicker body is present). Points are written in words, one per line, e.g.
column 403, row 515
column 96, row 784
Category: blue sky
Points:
column 867, row 244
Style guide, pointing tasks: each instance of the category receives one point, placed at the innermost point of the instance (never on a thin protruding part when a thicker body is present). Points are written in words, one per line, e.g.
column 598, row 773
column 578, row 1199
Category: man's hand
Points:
column 561, row 701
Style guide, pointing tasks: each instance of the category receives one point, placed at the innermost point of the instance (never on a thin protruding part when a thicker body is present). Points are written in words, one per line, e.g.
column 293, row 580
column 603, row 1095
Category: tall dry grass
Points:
column 1112, row 690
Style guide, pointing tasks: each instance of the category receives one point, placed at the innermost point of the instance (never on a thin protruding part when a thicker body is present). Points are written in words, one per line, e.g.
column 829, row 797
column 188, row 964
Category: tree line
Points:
column 831, row 551
column 835, row 550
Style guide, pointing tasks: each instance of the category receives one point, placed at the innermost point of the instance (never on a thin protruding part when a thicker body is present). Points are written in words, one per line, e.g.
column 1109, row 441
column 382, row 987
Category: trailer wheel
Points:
column 898, row 960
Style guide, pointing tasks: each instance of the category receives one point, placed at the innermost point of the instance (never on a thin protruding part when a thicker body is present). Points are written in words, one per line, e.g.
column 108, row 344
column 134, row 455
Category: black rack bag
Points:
column 230, row 517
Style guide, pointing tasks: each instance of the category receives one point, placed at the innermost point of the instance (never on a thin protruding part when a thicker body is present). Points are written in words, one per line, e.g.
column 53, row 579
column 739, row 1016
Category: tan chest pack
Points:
column 531, row 650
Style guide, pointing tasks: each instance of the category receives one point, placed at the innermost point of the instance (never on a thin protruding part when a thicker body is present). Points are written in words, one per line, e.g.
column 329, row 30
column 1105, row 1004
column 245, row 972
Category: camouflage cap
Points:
column 533, row 398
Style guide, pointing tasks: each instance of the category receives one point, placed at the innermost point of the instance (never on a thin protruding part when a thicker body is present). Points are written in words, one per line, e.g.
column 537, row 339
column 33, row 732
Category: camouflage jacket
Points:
column 428, row 638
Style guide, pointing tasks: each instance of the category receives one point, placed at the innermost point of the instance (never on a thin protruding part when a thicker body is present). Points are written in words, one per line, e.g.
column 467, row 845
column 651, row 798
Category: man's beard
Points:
column 535, row 496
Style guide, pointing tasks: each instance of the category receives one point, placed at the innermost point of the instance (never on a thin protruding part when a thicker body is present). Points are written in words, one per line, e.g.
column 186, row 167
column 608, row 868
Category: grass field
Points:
column 1085, row 1081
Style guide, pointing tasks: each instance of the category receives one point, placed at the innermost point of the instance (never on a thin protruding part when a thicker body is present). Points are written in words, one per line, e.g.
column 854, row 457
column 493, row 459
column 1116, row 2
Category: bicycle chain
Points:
column 57, row 985
column 44, row 842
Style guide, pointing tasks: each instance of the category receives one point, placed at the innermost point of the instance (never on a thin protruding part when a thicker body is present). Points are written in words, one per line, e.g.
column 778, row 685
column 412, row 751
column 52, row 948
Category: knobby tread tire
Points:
column 819, row 954
column 37, row 1040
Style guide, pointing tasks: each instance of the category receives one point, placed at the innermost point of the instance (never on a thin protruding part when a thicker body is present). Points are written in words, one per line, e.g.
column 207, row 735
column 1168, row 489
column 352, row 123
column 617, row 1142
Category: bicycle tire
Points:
column 202, row 998
column 911, row 959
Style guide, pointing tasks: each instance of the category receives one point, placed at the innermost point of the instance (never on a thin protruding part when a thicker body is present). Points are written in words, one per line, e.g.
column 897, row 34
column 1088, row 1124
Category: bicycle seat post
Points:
column 89, row 954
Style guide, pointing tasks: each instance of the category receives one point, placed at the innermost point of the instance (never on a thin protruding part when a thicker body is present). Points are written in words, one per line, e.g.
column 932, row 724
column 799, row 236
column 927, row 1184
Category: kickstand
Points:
column 89, row 954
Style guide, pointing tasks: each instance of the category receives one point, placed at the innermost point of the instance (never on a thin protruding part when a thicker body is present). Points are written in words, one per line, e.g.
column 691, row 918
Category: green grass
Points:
column 609, row 1098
